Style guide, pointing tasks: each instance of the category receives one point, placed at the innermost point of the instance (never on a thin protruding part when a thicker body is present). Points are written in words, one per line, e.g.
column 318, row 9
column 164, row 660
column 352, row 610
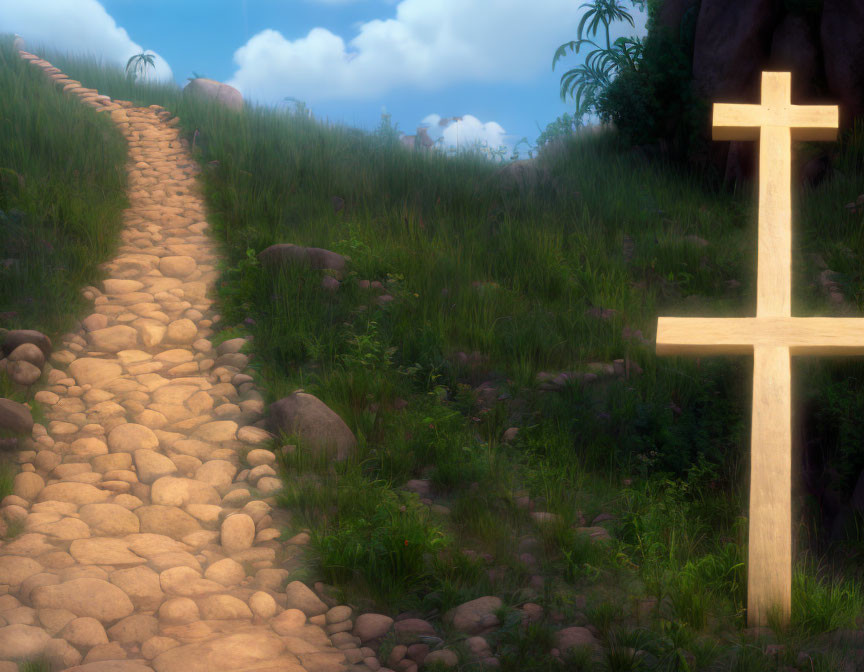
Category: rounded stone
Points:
column 111, row 520
column 258, row 456
column 84, row 632
column 262, row 605
column 178, row 611
column 23, row 372
column 85, row 597
column 28, row 352
column 177, row 266
column 22, row 641
column 237, row 533
column 218, row 473
column 219, row 607
column 227, row 571
column 129, row 437
column 27, row 485
column 181, row 332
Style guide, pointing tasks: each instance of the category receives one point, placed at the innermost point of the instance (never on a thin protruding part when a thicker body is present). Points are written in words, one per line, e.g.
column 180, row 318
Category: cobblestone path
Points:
column 145, row 544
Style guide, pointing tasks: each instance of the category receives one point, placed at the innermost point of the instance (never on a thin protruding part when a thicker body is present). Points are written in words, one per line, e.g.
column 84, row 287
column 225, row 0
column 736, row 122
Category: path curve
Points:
column 146, row 546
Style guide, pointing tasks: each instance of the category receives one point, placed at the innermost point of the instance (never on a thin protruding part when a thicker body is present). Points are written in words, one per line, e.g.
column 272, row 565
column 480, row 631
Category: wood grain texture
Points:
column 773, row 336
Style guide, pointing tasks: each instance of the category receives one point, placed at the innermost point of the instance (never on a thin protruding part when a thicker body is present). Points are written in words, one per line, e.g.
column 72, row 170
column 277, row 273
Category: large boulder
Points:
column 15, row 417
column 288, row 253
column 17, row 337
column 319, row 428
column 213, row 90
column 843, row 55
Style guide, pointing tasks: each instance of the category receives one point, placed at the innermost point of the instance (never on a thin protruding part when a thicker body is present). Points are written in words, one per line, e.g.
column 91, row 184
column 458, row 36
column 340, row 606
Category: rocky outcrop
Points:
column 736, row 40
column 841, row 33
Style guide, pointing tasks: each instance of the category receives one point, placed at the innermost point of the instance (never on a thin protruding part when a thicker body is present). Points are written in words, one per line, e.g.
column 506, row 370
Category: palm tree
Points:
column 595, row 73
column 142, row 60
column 195, row 75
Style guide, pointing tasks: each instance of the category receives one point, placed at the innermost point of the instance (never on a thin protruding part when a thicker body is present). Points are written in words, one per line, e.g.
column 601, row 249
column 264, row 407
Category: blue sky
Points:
column 488, row 61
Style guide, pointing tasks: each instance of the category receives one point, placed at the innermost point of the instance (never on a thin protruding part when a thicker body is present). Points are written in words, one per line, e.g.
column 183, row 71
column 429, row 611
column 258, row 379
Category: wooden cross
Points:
column 772, row 336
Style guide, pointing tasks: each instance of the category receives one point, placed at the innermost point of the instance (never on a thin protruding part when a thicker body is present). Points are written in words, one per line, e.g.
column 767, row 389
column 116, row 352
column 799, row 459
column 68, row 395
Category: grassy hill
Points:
column 521, row 277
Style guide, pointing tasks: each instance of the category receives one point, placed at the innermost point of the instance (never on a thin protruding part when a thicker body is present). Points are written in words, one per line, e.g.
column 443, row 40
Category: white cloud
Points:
column 80, row 27
column 429, row 45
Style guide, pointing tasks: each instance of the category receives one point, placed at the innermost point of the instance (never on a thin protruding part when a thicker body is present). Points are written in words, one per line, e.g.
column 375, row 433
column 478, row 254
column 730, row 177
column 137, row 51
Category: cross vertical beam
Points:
column 773, row 336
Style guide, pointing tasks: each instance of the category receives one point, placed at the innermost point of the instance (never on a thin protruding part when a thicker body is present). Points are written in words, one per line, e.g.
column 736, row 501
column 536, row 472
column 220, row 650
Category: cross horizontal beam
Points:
column 708, row 336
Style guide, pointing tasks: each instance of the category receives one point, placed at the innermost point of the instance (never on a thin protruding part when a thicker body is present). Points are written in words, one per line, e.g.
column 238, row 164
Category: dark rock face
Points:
column 794, row 49
column 842, row 34
column 733, row 39
column 671, row 13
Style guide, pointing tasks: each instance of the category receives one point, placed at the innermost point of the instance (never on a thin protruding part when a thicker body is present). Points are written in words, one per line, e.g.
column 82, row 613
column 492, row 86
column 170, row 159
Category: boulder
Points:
column 17, row 337
column 15, row 417
column 213, row 90
column 288, row 253
column 318, row 426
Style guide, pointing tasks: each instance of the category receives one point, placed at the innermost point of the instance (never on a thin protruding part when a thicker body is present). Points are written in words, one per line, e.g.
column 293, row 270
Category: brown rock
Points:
column 371, row 626
column 237, row 533
column 110, row 520
column 17, row 337
column 301, row 597
column 142, row 586
column 319, row 427
column 15, row 417
column 288, row 253
column 210, row 89
column 134, row 629
column 166, row 520
column 475, row 617
column 85, row 597
column 226, row 654
column 75, row 493
column 22, row 641
column 173, row 491
column 219, row 607
column 151, row 465
column 84, row 632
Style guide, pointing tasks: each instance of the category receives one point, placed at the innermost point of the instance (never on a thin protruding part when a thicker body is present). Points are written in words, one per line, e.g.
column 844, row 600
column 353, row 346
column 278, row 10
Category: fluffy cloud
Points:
column 429, row 45
column 95, row 35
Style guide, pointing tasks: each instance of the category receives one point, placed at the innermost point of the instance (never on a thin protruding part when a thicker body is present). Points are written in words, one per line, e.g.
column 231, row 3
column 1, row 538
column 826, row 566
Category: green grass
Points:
column 423, row 224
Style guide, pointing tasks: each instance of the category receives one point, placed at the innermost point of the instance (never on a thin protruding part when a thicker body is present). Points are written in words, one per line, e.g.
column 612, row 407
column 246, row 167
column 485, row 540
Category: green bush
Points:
column 656, row 101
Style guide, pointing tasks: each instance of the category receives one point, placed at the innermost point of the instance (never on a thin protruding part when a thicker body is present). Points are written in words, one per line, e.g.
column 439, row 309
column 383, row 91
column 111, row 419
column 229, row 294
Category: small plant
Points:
column 599, row 64
column 141, row 62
